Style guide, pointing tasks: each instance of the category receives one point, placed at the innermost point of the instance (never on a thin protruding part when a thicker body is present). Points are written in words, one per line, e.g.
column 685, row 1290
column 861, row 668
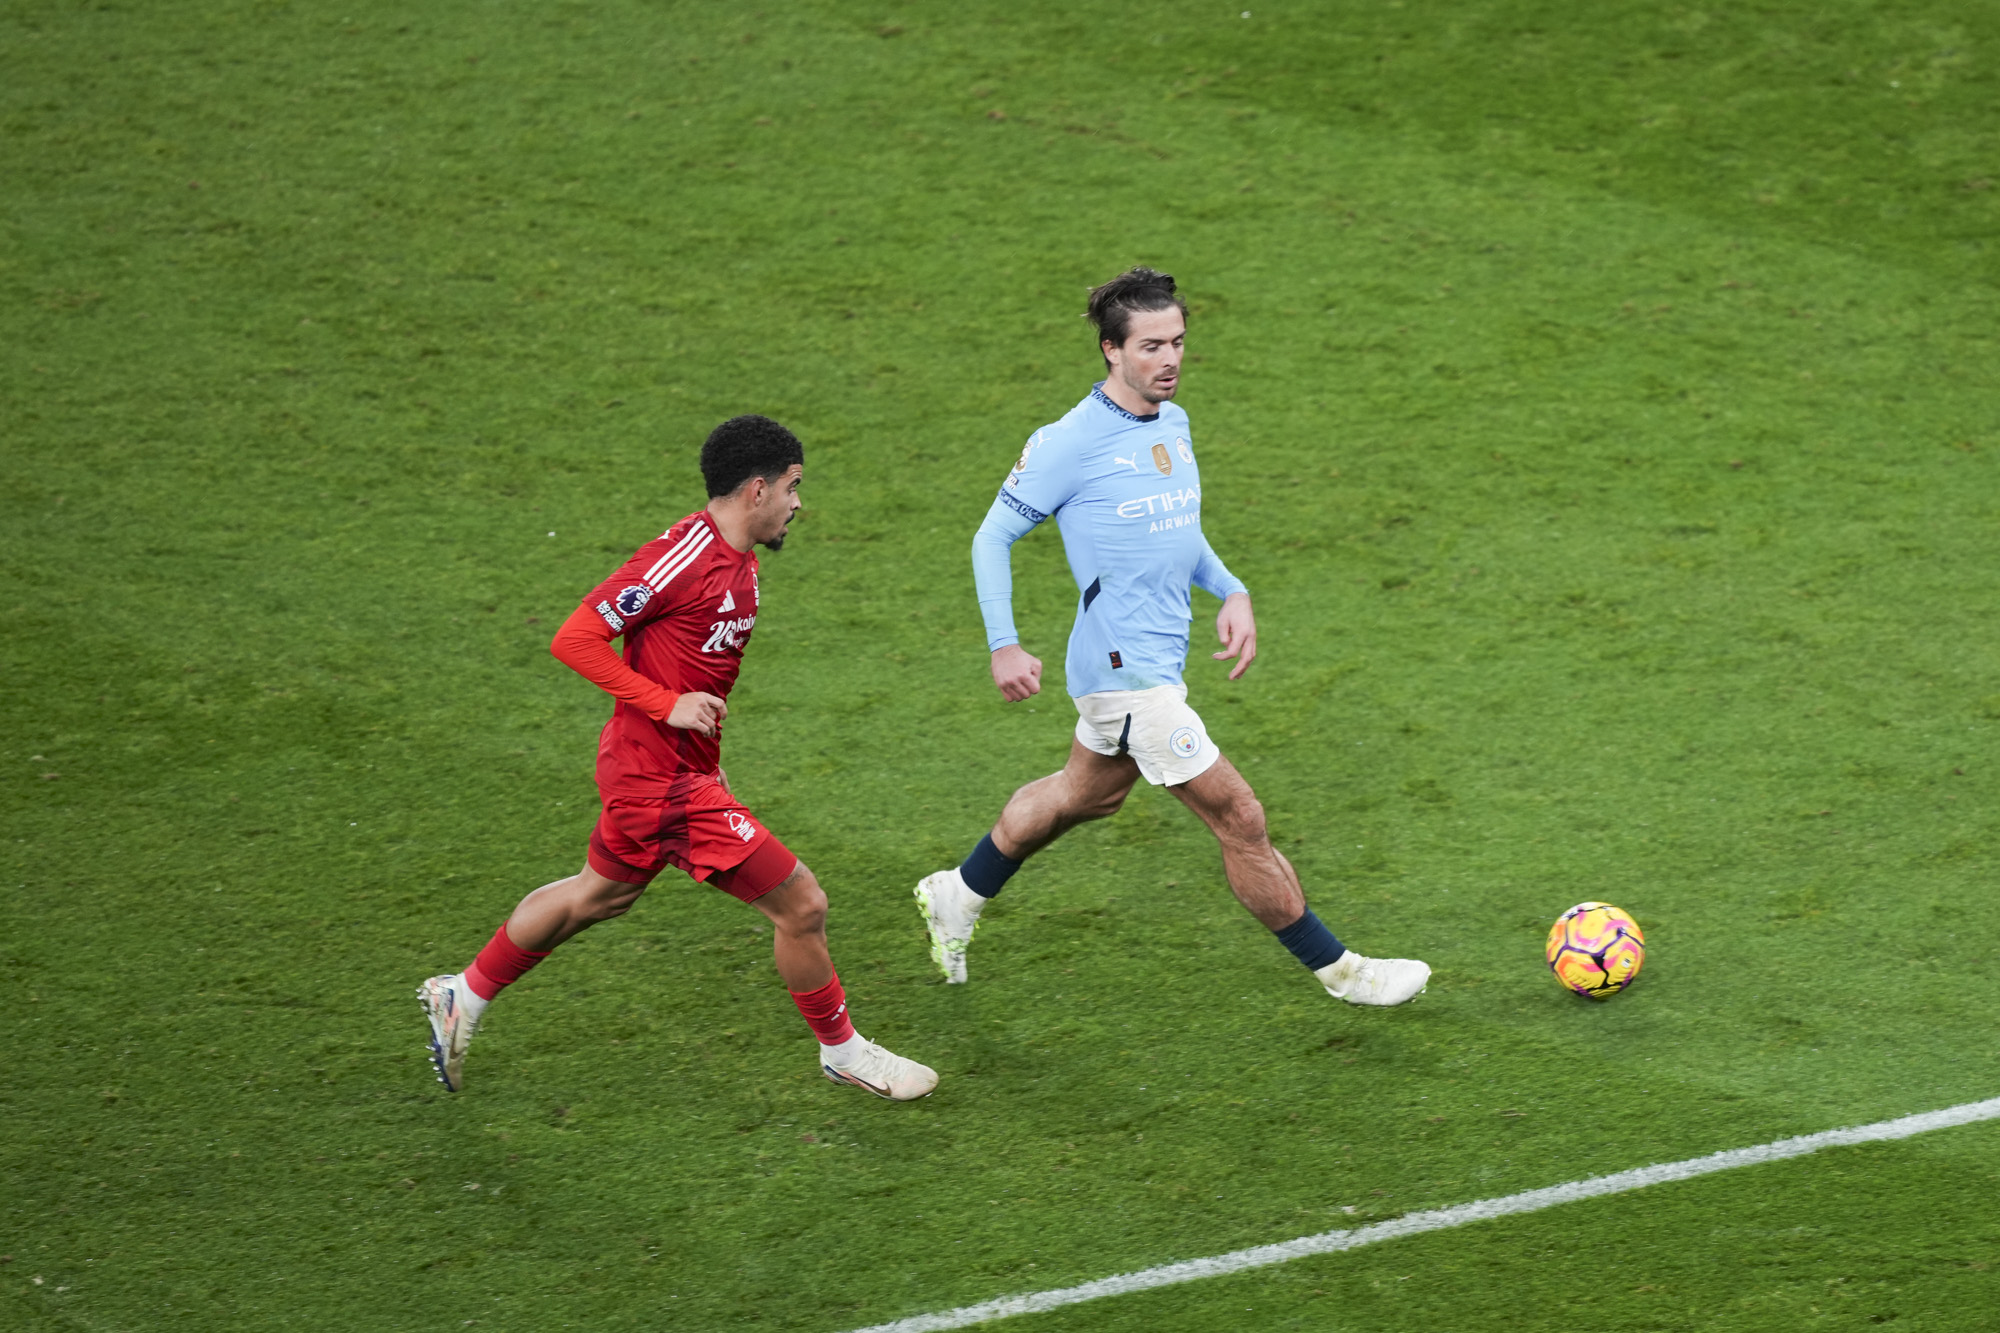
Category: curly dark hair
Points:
column 1139, row 289
column 745, row 447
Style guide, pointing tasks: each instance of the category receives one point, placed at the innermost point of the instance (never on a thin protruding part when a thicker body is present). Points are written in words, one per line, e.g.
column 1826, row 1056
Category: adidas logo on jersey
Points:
column 728, row 602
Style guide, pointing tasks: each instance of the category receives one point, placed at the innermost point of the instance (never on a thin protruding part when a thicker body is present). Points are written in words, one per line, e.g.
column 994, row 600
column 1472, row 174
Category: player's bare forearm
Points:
column 1016, row 672
column 1236, row 627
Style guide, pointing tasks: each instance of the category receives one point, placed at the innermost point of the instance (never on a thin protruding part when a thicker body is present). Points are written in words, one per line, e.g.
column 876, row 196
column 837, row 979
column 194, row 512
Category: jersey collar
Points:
column 1097, row 392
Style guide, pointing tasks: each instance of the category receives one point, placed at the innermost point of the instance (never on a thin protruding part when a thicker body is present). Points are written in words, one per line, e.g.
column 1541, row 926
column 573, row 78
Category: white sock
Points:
column 469, row 1001
column 842, row 1055
column 1338, row 974
column 969, row 903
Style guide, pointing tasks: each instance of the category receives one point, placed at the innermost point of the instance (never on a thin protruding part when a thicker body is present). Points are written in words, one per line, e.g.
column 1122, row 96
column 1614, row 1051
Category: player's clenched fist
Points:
column 695, row 711
column 1016, row 672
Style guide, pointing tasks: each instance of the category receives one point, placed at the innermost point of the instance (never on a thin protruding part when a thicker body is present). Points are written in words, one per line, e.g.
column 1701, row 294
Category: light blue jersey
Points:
column 1126, row 492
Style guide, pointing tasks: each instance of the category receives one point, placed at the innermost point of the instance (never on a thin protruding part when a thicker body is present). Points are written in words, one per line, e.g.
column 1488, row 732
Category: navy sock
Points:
column 986, row 871
column 1311, row 942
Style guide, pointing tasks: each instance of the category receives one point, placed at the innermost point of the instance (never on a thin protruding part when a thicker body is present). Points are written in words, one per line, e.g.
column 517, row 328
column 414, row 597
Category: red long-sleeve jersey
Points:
column 685, row 603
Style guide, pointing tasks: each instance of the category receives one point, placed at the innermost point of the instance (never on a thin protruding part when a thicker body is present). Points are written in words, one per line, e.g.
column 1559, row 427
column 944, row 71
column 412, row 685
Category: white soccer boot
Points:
column 882, row 1072
column 951, row 914
column 1359, row 980
column 452, row 1022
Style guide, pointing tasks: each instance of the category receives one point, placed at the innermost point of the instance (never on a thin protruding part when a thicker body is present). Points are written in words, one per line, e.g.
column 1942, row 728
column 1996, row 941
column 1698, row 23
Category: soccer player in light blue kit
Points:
column 1120, row 477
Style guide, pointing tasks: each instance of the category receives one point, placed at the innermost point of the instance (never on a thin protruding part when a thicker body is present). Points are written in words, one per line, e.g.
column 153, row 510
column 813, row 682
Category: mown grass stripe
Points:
column 1411, row 1224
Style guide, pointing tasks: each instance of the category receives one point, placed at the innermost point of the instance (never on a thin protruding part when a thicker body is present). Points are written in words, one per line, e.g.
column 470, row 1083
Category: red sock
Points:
column 825, row 1012
column 501, row 963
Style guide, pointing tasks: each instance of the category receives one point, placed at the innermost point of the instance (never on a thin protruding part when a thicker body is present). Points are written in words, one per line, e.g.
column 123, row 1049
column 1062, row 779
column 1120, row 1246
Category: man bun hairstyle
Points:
column 1131, row 292
column 745, row 447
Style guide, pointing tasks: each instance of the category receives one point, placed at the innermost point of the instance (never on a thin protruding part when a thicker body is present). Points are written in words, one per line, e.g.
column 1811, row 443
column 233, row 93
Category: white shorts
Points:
column 1156, row 727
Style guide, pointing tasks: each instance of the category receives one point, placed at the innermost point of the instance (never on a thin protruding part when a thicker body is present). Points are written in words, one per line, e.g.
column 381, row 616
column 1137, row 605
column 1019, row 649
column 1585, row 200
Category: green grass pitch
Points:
column 1600, row 402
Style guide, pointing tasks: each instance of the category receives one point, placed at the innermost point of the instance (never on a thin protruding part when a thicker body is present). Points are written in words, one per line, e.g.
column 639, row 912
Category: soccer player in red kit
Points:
column 685, row 606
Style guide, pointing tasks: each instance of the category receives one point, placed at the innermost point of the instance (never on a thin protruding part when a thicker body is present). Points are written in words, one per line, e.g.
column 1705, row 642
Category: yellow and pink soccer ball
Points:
column 1595, row 950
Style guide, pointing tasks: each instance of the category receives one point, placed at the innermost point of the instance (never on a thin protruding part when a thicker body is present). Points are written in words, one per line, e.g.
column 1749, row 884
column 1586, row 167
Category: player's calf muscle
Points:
column 1259, row 881
column 1043, row 811
column 555, row 912
column 1036, row 815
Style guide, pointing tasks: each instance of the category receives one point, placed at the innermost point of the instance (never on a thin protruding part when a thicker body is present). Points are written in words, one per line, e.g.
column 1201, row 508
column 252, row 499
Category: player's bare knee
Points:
column 799, row 903
column 809, row 913
column 1244, row 824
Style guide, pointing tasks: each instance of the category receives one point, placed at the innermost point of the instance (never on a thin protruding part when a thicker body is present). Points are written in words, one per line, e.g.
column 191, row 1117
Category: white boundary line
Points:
column 1410, row 1224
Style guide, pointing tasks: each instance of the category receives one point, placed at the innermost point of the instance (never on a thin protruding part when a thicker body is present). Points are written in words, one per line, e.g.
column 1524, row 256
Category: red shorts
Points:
column 698, row 827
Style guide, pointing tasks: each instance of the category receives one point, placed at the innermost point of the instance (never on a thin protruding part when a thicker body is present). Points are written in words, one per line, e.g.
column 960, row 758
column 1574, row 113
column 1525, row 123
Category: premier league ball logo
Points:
column 632, row 600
